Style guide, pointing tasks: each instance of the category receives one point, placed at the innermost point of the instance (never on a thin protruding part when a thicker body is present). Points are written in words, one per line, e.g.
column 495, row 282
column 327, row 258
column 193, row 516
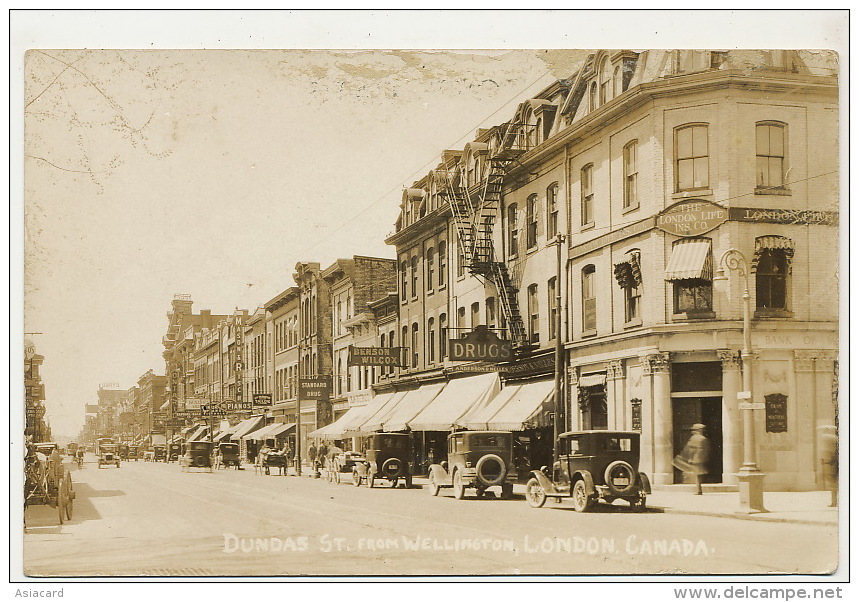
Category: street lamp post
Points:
column 750, row 477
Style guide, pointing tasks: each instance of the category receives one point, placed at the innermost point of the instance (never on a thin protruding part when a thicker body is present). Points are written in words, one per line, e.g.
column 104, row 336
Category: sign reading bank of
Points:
column 691, row 217
column 480, row 345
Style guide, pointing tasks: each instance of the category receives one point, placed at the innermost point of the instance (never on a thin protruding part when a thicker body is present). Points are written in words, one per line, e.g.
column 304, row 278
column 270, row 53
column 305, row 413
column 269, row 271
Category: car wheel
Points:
column 534, row 493
column 506, row 491
column 434, row 488
column 623, row 471
column 356, row 478
column 582, row 502
column 458, row 486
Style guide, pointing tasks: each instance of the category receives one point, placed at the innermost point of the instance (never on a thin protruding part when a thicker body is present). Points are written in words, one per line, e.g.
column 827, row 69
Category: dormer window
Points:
column 604, row 82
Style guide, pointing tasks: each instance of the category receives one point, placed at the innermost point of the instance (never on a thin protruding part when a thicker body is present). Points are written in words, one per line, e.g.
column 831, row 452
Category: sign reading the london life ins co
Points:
column 480, row 345
column 691, row 217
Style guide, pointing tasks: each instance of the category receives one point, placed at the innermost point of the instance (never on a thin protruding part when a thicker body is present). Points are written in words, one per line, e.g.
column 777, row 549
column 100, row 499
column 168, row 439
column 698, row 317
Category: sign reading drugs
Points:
column 691, row 218
column 482, row 345
column 376, row 356
column 318, row 388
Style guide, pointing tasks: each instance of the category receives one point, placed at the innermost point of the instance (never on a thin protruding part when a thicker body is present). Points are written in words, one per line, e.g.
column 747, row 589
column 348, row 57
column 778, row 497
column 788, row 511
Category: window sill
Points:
column 685, row 316
column 632, row 323
column 689, row 194
column 630, row 209
column 772, row 313
column 430, row 292
column 773, row 191
column 588, row 226
column 589, row 333
column 532, row 250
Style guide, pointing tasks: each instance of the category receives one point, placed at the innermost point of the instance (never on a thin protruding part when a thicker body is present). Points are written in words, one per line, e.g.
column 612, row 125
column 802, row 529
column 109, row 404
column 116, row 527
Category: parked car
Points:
column 342, row 462
column 174, row 450
column 387, row 456
column 227, row 454
column 592, row 466
column 198, row 454
column 476, row 459
column 108, row 455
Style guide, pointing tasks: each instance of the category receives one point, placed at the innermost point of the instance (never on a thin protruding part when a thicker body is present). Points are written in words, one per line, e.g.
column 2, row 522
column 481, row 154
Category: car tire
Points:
column 631, row 477
column 356, row 478
column 482, row 465
column 535, row 494
column 582, row 502
column 458, row 485
column 434, row 488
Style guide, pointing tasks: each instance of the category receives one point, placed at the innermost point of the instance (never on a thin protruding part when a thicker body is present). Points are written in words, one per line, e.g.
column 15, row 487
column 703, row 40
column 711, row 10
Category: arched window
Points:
column 431, row 340
column 475, row 314
column 414, row 276
column 415, row 345
column 404, row 273
column 512, row 231
column 605, row 81
column 532, row 210
column 691, row 152
column 593, row 96
column 770, row 151
column 470, row 166
column 430, row 275
column 442, row 337
column 442, row 263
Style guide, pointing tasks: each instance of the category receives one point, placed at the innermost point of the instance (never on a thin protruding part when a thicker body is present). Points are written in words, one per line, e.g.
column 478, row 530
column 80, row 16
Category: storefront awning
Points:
column 479, row 415
column 280, row 428
column 198, row 434
column 222, row 436
column 372, row 421
column 690, row 259
column 165, row 405
column 457, row 398
column 592, row 380
column 525, row 407
column 248, row 426
column 339, row 428
column 258, row 435
column 411, row 404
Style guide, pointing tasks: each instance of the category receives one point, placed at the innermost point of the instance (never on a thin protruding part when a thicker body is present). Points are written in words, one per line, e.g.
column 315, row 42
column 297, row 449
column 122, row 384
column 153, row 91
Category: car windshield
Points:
column 489, row 440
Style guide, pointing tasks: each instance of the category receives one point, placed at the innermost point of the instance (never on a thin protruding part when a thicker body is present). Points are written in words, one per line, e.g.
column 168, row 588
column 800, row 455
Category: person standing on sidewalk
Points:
column 829, row 460
column 695, row 457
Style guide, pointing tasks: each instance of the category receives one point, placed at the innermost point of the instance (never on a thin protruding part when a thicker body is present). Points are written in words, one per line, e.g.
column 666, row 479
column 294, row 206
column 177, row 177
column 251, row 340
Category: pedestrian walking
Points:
column 311, row 455
column 695, row 457
column 829, row 461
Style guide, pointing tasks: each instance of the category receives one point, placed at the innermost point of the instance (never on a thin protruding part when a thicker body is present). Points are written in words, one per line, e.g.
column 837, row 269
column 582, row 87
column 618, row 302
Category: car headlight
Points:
column 468, row 464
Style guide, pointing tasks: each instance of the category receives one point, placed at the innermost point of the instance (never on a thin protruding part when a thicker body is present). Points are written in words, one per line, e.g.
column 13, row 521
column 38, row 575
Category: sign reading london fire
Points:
column 376, row 356
column 481, row 344
column 691, row 218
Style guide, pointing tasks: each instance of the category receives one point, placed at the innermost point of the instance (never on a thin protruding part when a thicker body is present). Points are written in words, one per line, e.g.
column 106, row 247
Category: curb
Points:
column 762, row 517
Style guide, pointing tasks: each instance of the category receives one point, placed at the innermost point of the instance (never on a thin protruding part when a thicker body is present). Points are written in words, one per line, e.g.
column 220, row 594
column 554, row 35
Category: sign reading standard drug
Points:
column 317, row 389
column 482, row 345
column 691, row 218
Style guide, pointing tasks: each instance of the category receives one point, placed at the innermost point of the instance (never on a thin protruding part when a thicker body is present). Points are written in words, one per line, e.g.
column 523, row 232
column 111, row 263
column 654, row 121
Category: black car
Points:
column 592, row 466
column 198, row 454
column 476, row 459
column 387, row 456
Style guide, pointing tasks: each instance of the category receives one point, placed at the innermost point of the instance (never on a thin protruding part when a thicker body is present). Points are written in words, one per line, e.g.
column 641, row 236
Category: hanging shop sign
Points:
column 691, row 217
column 314, row 389
column 377, row 356
column 636, row 414
column 776, row 413
column 262, row 399
column 480, row 345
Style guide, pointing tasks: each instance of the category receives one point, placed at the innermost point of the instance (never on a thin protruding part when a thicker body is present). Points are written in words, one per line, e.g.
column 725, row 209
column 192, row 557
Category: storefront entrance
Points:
column 696, row 399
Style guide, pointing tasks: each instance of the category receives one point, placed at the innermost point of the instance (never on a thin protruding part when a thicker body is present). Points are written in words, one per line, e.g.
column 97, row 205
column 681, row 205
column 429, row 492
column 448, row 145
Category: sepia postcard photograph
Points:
column 351, row 294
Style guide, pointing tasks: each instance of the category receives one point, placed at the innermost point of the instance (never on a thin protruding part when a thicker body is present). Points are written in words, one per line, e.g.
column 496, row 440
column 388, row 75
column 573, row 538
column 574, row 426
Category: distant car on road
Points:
column 592, row 466
column 478, row 460
column 108, row 455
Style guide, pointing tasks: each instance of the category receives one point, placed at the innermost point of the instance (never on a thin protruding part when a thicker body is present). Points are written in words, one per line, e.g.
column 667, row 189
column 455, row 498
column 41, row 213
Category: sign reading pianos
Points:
column 376, row 356
column 480, row 345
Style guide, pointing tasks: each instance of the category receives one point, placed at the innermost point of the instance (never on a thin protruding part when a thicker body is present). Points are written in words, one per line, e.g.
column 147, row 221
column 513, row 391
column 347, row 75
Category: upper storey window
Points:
column 605, row 82
column 552, row 211
column 592, row 97
column 692, row 161
column 512, row 230
column 587, row 183
column 532, row 210
column 770, row 155
column 630, row 175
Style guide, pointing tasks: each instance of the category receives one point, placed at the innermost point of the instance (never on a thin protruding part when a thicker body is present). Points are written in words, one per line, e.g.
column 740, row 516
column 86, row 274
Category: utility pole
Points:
column 559, row 406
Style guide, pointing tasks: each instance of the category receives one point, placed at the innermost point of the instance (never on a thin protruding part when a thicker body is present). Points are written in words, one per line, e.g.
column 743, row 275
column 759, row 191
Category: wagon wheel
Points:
column 61, row 500
column 70, row 496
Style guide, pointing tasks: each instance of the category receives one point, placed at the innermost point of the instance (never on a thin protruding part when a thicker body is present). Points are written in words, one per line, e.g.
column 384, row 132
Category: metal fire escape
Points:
column 474, row 215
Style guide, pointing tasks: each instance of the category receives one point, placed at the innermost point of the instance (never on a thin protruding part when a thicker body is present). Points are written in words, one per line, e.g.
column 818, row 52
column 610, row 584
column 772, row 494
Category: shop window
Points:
column 589, row 300
column 552, row 211
column 587, row 185
column 630, row 175
column 770, row 156
column 531, row 221
column 594, row 407
column 692, row 161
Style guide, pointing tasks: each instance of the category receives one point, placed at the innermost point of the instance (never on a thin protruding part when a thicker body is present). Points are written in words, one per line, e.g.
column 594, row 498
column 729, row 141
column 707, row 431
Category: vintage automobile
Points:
column 159, row 453
column 108, row 455
column 226, row 454
column 198, row 454
column 122, row 450
column 386, row 456
column 592, row 466
column 476, row 459
column 134, row 452
column 342, row 462
column 46, row 481
column 174, row 450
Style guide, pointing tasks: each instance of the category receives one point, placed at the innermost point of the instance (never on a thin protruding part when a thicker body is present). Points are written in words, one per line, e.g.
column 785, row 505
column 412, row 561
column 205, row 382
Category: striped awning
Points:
column 628, row 272
column 592, row 380
column 773, row 242
column 690, row 259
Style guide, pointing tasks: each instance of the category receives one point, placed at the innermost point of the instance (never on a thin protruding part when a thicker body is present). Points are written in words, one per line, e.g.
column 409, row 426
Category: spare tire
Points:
column 199, row 462
column 392, row 467
column 491, row 470
column 620, row 477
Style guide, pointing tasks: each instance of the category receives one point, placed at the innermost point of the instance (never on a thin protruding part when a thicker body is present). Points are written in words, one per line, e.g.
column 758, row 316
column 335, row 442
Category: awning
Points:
column 198, row 434
column 457, row 398
column 397, row 419
column 248, row 426
column 259, row 434
column 525, row 407
column 628, row 272
column 773, row 242
column 372, row 422
column 592, row 380
column 690, row 259
column 222, row 436
column 279, row 428
column 479, row 415
column 339, row 428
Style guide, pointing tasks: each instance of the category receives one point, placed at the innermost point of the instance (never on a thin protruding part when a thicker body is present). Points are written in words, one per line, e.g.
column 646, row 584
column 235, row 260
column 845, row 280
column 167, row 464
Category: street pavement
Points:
column 153, row 519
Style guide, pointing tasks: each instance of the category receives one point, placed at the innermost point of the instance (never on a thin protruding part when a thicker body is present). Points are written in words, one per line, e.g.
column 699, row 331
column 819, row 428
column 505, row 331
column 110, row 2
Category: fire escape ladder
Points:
column 462, row 210
column 509, row 303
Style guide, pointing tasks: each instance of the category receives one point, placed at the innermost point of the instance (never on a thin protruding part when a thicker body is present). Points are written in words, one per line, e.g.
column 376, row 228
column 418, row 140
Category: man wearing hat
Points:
column 694, row 458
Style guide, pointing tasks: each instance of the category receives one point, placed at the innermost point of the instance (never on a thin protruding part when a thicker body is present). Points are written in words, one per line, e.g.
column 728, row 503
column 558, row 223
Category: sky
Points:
column 150, row 172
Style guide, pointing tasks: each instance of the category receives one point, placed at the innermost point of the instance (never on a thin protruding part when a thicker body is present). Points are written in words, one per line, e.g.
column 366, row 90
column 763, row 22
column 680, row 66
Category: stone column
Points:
column 807, row 398
column 656, row 366
column 614, row 396
column 732, row 426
